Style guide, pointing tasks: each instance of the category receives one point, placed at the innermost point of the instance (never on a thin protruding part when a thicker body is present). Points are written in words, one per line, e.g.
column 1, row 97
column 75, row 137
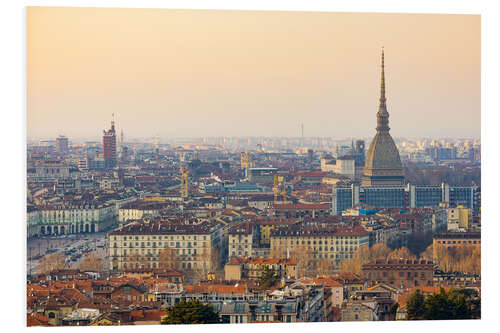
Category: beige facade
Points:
column 459, row 218
column 343, row 166
column 232, row 272
column 240, row 245
column 194, row 247
column 193, row 251
column 358, row 311
column 333, row 246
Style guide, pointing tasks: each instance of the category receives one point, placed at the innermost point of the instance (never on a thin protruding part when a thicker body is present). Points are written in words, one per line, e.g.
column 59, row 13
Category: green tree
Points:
column 439, row 306
column 455, row 304
column 191, row 312
column 268, row 277
column 467, row 303
column 394, row 308
column 415, row 306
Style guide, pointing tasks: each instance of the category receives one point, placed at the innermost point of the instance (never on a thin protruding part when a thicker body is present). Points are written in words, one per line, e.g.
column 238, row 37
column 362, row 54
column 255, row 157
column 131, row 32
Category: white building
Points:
column 343, row 165
column 65, row 219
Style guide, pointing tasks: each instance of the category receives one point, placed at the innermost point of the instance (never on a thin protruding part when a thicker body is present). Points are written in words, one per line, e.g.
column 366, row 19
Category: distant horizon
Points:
column 197, row 73
column 250, row 137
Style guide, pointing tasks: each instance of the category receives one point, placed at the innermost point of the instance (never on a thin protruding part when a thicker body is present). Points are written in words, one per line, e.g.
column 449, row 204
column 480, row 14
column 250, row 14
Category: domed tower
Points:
column 383, row 164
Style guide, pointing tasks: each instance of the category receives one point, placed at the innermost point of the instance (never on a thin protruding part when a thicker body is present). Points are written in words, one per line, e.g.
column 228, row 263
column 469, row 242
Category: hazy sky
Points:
column 178, row 73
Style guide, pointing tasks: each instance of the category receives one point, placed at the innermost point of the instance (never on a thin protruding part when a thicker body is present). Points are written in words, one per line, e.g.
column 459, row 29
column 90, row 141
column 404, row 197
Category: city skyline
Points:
column 249, row 80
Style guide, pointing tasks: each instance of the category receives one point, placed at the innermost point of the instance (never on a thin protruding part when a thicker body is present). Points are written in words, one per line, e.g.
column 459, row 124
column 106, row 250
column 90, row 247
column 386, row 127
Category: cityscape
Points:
column 152, row 230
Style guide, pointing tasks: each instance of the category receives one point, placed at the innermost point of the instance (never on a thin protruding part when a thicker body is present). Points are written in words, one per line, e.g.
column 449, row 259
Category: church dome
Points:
column 383, row 164
column 383, row 153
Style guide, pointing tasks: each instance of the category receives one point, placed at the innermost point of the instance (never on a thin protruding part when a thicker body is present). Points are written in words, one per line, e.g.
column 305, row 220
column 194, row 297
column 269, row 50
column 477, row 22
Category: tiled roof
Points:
column 300, row 206
column 37, row 319
column 216, row 288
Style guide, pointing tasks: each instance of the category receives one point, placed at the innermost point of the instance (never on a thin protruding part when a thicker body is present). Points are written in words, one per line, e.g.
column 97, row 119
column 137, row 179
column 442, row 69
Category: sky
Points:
column 194, row 73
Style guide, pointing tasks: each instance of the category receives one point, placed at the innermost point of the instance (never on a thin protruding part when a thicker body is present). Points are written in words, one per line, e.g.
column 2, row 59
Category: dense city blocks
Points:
column 163, row 229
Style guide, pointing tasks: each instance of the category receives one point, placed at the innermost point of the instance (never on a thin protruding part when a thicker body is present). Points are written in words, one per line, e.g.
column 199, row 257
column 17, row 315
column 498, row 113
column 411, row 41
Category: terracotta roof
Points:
column 300, row 206
column 216, row 288
column 261, row 261
column 147, row 315
column 37, row 319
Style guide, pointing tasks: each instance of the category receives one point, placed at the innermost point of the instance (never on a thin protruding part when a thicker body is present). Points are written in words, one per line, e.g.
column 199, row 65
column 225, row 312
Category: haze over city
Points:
column 190, row 73
column 224, row 167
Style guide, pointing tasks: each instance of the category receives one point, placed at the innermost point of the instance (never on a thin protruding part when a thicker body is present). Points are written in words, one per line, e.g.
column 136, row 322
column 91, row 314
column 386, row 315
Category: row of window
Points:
column 285, row 241
column 401, row 274
column 459, row 242
column 194, row 237
column 158, row 251
column 165, row 244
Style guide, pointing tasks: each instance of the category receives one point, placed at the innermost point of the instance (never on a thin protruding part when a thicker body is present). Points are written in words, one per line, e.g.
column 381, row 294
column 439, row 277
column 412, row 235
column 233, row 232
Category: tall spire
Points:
column 382, row 81
column 382, row 114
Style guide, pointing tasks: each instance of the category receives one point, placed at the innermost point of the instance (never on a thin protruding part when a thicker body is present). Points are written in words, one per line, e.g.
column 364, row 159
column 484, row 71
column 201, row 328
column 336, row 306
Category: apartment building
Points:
column 241, row 240
column 140, row 243
column 335, row 244
column 399, row 273
column 70, row 218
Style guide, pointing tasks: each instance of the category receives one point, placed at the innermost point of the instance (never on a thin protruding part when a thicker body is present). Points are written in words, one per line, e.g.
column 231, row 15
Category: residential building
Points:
column 455, row 239
column 240, row 240
column 139, row 244
column 335, row 244
column 71, row 217
column 459, row 219
column 239, row 268
column 399, row 273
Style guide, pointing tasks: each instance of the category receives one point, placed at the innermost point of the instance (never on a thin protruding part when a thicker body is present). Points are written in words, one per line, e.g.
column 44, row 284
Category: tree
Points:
column 401, row 253
column 455, row 304
column 415, row 306
column 278, row 251
column 168, row 258
column 394, row 308
column 93, row 263
column 305, row 260
column 464, row 258
column 208, row 261
column 191, row 312
column 268, row 277
column 51, row 263
column 472, row 299
column 134, row 260
column 428, row 254
column 379, row 251
column 438, row 306
column 355, row 264
column 323, row 267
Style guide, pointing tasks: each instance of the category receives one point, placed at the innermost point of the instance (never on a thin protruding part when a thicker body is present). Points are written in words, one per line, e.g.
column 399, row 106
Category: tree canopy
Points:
column 454, row 304
column 268, row 277
column 191, row 312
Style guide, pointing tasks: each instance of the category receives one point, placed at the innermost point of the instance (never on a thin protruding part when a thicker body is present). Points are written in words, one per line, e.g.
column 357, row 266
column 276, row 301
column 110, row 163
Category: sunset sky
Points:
column 193, row 73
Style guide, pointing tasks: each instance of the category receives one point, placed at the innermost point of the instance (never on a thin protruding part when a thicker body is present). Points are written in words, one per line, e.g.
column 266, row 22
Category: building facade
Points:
column 109, row 147
column 71, row 219
column 400, row 273
column 139, row 244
